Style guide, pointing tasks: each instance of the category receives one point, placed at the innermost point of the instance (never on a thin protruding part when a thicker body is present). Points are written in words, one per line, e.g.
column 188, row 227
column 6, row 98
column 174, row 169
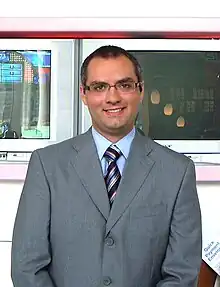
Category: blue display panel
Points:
column 11, row 73
column 4, row 57
column 38, row 58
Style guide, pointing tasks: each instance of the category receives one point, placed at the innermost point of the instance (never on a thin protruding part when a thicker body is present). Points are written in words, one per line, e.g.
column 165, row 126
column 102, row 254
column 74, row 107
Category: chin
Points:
column 116, row 123
column 116, row 127
column 119, row 129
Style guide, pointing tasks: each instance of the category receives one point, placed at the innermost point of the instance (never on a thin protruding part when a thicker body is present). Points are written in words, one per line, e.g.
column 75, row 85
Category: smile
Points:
column 114, row 111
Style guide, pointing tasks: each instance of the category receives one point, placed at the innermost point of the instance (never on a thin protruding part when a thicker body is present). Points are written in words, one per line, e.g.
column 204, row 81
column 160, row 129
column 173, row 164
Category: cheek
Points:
column 133, row 103
column 94, row 102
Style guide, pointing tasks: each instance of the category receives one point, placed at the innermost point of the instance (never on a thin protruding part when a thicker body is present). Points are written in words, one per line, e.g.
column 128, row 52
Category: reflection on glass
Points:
column 155, row 97
column 168, row 110
column 180, row 122
column 25, row 94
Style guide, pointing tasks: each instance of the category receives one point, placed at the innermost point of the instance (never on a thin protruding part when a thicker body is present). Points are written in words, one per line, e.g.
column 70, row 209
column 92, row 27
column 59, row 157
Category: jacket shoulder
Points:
column 168, row 155
column 59, row 152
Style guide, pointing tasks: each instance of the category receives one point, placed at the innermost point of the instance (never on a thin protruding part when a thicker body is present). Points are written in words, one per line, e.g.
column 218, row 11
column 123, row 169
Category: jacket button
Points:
column 107, row 281
column 109, row 241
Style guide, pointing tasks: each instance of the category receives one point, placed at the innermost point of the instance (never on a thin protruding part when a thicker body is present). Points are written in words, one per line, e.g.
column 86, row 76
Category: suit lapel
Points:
column 137, row 168
column 88, row 168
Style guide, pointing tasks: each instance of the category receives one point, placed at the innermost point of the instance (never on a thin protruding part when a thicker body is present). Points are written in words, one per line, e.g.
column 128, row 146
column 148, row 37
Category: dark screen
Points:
column 182, row 94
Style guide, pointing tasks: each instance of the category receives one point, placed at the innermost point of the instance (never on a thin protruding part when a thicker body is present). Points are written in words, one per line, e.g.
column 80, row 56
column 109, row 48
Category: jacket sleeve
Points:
column 183, row 258
column 30, row 255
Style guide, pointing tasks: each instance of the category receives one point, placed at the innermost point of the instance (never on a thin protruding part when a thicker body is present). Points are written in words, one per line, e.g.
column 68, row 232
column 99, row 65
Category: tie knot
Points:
column 112, row 153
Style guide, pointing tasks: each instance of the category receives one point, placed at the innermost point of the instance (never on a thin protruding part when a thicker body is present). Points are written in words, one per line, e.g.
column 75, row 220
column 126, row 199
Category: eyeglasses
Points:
column 122, row 87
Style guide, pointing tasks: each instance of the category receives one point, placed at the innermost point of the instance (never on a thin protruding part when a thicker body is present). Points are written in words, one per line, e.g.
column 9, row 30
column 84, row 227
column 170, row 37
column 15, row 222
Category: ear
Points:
column 83, row 95
column 141, row 92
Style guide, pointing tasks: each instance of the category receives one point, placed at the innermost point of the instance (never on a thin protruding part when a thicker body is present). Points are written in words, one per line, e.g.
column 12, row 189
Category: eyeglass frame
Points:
column 136, row 85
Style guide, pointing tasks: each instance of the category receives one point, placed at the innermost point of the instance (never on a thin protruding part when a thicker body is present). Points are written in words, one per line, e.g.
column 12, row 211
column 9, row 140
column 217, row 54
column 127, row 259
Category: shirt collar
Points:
column 123, row 144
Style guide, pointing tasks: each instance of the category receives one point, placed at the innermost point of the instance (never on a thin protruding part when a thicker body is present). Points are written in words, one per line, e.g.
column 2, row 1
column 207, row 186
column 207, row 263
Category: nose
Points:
column 112, row 96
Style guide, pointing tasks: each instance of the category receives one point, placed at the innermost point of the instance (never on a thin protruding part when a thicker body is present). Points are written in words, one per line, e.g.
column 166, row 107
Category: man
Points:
column 109, row 207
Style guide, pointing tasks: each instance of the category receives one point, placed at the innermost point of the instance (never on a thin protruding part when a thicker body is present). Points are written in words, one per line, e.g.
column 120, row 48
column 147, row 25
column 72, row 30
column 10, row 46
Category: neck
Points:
column 113, row 137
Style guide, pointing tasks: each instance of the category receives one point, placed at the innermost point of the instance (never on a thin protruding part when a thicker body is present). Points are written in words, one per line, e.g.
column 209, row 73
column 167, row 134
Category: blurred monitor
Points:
column 37, row 104
column 25, row 77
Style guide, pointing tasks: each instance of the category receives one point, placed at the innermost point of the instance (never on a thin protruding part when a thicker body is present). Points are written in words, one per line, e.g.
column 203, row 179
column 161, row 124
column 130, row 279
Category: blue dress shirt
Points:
column 102, row 144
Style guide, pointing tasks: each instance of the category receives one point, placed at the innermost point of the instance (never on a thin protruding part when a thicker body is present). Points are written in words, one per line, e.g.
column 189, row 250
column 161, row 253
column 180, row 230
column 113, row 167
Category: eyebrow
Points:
column 127, row 79
column 96, row 82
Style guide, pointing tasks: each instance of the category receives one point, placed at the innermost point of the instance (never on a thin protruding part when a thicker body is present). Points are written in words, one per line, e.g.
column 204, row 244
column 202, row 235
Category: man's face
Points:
column 113, row 111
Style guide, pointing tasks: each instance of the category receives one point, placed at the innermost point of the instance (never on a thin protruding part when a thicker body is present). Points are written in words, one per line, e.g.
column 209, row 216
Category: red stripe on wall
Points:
column 110, row 35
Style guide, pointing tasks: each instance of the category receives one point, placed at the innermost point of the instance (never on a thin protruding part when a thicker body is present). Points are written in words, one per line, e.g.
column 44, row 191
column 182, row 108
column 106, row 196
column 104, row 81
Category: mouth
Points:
column 116, row 111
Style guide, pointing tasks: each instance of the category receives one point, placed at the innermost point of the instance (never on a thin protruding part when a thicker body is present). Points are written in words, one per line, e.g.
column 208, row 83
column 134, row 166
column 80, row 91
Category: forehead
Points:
column 110, row 69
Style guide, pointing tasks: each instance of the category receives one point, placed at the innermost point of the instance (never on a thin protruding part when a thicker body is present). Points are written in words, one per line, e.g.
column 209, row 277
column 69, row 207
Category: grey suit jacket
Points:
column 65, row 234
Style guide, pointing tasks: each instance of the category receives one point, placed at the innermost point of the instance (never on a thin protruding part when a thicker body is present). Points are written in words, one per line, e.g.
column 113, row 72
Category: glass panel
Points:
column 25, row 77
column 182, row 94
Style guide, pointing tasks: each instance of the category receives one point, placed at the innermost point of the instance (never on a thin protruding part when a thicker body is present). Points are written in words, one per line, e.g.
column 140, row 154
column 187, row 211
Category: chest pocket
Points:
column 149, row 219
column 158, row 209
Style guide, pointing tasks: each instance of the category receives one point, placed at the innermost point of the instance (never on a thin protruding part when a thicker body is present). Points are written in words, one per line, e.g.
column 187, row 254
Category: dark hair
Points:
column 109, row 52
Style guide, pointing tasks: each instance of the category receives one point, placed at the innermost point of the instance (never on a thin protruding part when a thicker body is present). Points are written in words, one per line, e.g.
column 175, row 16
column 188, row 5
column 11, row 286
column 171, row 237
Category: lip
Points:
column 115, row 111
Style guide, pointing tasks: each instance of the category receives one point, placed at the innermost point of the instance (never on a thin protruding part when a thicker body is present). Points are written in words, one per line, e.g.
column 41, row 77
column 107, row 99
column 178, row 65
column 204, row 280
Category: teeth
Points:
column 114, row 111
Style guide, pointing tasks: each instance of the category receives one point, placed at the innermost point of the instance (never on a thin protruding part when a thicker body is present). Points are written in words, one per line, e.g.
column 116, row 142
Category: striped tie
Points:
column 113, row 175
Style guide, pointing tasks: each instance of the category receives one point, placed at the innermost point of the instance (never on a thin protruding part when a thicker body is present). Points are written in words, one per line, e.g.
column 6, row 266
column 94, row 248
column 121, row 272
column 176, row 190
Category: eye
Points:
column 126, row 86
column 98, row 87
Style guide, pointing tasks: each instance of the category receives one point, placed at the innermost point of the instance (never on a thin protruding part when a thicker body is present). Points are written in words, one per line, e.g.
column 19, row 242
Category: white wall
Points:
column 209, row 195
column 9, row 197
